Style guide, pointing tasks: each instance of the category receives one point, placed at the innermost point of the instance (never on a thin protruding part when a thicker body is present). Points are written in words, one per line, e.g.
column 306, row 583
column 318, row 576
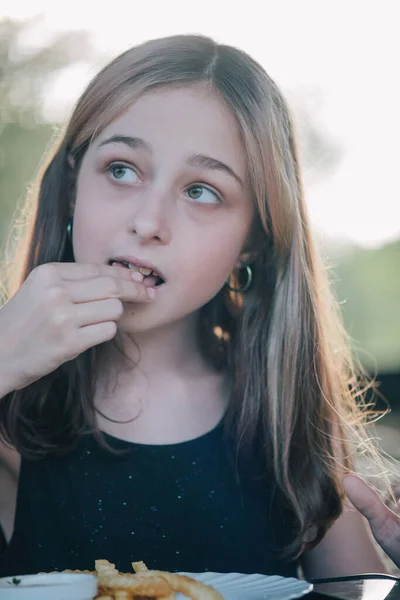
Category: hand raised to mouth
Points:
column 61, row 310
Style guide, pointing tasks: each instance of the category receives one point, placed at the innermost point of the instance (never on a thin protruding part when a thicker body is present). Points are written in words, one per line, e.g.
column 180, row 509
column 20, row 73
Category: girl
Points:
column 174, row 374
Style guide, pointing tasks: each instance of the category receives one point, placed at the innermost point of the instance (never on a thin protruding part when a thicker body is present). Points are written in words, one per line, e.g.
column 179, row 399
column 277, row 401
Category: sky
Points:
column 340, row 56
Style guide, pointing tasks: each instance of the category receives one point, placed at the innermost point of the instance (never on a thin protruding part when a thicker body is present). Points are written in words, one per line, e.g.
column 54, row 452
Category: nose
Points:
column 150, row 219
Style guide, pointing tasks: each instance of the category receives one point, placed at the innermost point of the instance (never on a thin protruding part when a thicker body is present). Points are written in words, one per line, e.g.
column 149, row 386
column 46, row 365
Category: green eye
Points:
column 118, row 172
column 203, row 194
column 123, row 173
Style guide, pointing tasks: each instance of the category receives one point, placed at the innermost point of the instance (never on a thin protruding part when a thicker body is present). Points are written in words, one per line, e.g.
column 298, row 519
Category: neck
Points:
column 164, row 385
column 172, row 349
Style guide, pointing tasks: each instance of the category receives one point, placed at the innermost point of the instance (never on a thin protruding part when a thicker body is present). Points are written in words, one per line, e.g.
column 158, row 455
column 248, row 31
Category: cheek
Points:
column 90, row 223
column 209, row 262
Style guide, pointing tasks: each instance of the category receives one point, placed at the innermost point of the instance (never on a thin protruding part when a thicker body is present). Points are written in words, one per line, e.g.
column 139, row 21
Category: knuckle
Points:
column 135, row 292
column 46, row 273
column 114, row 287
column 117, row 306
column 110, row 330
column 97, row 269
column 60, row 320
column 55, row 294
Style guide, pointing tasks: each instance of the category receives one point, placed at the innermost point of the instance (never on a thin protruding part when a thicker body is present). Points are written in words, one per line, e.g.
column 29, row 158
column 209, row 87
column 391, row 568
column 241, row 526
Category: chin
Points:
column 133, row 321
column 139, row 319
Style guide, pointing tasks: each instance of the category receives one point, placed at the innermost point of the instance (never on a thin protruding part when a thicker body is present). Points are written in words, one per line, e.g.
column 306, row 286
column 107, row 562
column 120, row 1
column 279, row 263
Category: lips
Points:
column 131, row 262
column 152, row 277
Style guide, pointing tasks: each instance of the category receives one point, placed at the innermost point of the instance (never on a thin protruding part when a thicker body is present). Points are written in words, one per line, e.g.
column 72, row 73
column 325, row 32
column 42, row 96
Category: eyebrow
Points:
column 195, row 160
column 201, row 160
column 132, row 142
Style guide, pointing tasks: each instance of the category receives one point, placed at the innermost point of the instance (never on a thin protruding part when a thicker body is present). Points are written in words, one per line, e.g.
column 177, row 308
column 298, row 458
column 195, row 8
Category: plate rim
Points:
column 306, row 586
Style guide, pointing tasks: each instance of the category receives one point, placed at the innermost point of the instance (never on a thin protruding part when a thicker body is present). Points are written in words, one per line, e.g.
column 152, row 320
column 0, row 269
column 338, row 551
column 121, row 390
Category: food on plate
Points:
column 146, row 584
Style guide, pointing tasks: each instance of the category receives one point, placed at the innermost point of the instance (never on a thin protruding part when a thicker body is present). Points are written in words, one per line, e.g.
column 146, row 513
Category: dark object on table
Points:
column 371, row 586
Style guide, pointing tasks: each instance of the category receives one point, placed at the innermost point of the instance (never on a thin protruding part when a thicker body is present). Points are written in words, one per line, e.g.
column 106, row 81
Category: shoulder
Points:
column 347, row 548
column 10, row 459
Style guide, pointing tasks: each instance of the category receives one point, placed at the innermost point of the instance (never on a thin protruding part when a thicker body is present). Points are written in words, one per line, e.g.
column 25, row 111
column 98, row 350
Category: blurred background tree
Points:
column 24, row 131
column 366, row 282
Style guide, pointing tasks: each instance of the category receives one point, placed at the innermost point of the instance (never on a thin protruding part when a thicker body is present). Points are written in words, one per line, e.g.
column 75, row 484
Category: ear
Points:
column 253, row 242
column 246, row 257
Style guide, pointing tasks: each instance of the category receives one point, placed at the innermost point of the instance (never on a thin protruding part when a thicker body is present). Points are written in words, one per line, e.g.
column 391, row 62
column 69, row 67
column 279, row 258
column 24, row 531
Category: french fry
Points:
column 145, row 584
column 122, row 595
column 105, row 568
column 139, row 566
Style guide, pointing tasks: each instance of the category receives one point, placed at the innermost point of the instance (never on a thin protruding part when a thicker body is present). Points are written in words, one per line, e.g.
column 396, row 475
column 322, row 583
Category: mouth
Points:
column 151, row 277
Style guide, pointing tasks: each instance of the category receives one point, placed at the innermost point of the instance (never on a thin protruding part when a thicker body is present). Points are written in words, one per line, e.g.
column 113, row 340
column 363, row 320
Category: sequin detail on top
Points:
column 178, row 507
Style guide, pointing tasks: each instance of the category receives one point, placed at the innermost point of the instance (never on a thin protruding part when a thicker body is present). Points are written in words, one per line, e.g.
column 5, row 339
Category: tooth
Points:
column 133, row 267
column 145, row 271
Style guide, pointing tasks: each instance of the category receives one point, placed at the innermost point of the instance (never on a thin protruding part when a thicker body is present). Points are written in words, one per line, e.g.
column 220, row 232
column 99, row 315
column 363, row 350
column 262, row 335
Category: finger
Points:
column 364, row 497
column 92, row 335
column 107, row 287
column 384, row 523
column 368, row 502
column 99, row 311
column 73, row 271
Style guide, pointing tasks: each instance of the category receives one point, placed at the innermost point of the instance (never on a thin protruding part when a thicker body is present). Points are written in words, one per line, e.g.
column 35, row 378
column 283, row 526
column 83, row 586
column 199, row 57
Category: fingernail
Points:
column 151, row 293
column 136, row 276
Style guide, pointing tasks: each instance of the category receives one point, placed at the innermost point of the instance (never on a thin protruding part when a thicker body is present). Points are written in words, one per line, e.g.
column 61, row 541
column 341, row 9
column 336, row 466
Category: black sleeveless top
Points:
column 177, row 507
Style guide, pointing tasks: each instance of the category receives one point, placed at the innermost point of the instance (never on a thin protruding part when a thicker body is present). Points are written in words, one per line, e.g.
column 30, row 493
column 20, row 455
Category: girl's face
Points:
column 166, row 183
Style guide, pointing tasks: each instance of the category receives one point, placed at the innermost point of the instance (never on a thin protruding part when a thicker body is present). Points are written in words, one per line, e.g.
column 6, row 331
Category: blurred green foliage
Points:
column 24, row 133
column 366, row 282
column 367, row 285
column 21, row 151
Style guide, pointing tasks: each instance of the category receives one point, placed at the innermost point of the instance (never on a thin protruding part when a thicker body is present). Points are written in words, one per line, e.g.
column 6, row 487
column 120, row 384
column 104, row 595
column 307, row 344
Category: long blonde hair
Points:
column 293, row 387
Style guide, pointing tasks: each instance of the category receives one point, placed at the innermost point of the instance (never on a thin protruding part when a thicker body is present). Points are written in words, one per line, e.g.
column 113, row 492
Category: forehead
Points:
column 183, row 121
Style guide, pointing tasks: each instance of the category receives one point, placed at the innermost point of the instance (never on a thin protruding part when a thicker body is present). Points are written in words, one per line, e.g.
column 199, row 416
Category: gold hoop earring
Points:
column 69, row 230
column 247, row 284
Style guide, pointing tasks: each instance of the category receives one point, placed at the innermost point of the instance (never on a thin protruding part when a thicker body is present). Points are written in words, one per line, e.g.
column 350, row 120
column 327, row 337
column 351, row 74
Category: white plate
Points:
column 49, row 586
column 236, row 586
